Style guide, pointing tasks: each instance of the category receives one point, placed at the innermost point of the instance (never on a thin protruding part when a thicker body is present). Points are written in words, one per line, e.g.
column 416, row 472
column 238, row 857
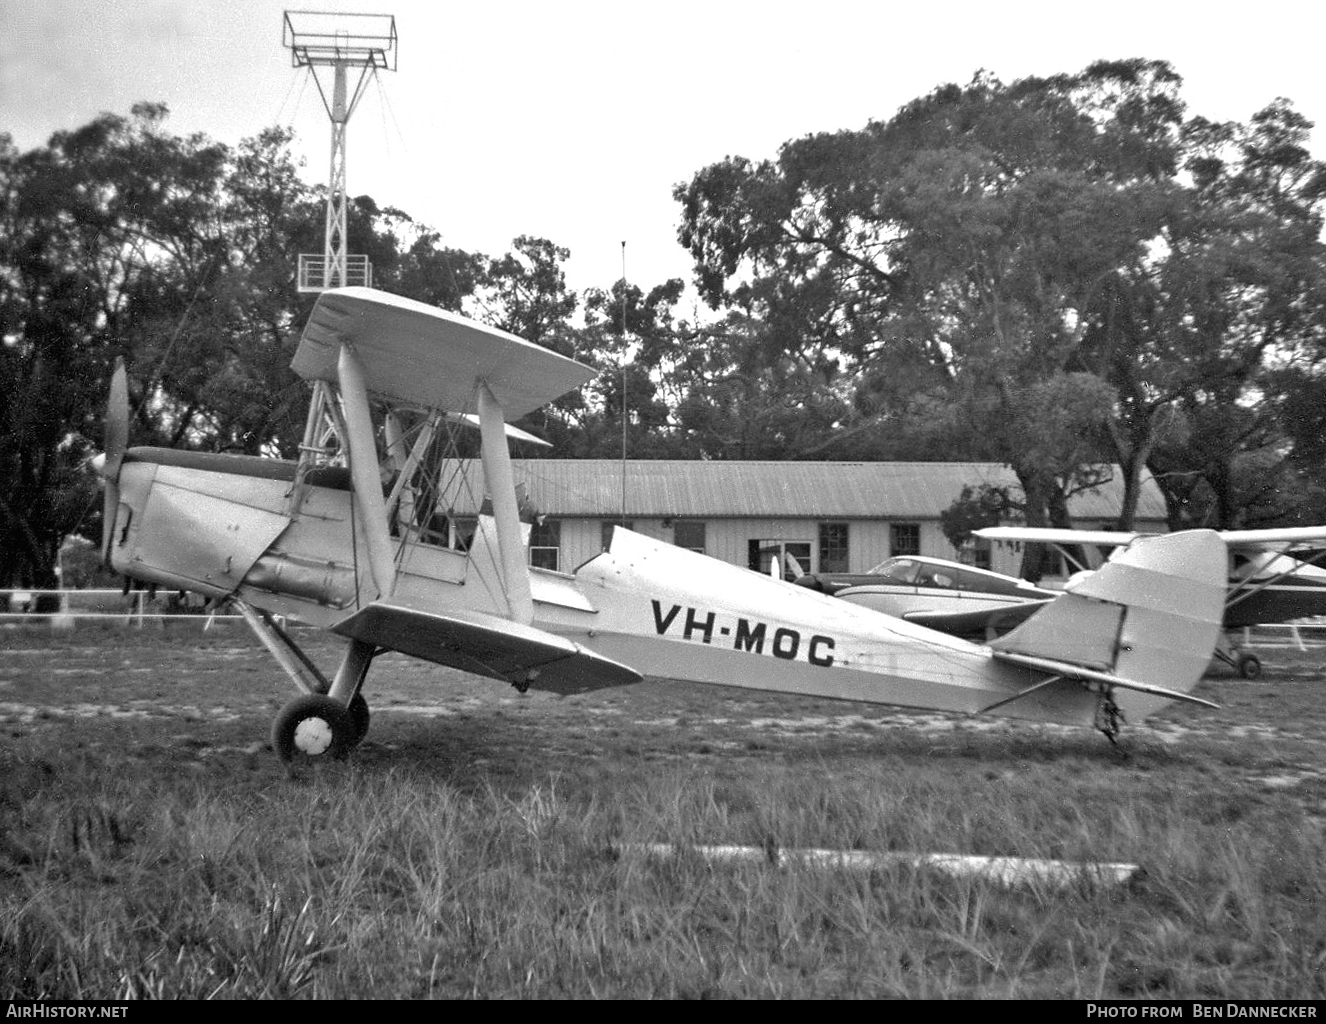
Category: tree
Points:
column 179, row 254
column 1191, row 333
column 961, row 242
column 86, row 222
column 1041, row 273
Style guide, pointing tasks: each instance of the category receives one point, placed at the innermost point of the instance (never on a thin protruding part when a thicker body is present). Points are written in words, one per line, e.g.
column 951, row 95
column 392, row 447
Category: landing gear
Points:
column 314, row 726
column 1246, row 664
column 332, row 716
column 1249, row 666
column 1109, row 717
column 357, row 712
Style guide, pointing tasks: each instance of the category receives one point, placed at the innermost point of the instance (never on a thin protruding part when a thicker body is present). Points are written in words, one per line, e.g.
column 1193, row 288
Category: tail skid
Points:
column 1147, row 623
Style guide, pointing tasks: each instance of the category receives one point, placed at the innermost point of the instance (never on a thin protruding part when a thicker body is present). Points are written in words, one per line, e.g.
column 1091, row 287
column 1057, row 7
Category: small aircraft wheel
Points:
column 1250, row 666
column 358, row 715
column 312, row 726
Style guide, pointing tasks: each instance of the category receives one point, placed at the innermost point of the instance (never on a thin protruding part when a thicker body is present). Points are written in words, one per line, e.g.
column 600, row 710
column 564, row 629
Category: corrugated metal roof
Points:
column 800, row 490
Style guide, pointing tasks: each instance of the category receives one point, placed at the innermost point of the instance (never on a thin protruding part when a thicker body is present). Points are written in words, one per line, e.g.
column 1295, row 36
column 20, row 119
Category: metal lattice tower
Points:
column 339, row 42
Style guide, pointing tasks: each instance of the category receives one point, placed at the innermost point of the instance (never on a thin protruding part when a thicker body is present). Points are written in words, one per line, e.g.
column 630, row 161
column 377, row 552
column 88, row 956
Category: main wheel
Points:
column 358, row 715
column 1250, row 666
column 313, row 726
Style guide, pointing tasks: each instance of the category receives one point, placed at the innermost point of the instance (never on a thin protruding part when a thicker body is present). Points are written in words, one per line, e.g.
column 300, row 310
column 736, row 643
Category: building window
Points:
column 605, row 530
column 1052, row 563
column 976, row 552
column 545, row 545
column 833, row 547
column 688, row 534
column 905, row 538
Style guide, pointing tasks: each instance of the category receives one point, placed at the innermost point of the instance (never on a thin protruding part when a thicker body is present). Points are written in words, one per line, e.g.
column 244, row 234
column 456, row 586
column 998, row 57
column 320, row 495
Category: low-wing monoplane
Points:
column 1273, row 574
column 353, row 537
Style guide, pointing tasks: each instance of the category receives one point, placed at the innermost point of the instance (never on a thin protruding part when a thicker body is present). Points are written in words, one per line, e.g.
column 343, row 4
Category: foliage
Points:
column 1057, row 273
column 974, row 509
column 1045, row 272
column 180, row 254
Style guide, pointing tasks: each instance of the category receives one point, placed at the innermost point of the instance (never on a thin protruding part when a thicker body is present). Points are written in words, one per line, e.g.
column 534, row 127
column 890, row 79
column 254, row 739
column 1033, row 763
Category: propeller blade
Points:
column 116, row 440
column 110, row 498
column 117, row 421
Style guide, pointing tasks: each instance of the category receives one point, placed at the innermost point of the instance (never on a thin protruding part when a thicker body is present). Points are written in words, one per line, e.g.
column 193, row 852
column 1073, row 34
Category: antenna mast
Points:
column 623, row 519
column 327, row 39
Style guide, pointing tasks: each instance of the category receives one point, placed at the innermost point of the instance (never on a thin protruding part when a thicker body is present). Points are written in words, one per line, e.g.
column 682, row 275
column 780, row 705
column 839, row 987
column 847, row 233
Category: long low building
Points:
column 827, row 516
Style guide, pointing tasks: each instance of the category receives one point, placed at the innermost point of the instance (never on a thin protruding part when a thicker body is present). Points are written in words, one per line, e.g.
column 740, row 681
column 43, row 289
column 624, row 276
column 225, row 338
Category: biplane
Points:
column 352, row 537
column 1272, row 576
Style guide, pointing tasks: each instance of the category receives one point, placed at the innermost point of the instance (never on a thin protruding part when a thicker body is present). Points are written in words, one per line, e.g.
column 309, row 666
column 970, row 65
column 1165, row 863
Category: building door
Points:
column 792, row 555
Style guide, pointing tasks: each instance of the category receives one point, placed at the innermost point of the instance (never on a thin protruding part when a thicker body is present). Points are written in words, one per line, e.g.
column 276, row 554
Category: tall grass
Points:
column 363, row 881
column 164, row 854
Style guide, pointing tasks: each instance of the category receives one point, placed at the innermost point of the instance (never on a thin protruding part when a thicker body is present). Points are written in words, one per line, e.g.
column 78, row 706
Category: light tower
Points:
column 341, row 42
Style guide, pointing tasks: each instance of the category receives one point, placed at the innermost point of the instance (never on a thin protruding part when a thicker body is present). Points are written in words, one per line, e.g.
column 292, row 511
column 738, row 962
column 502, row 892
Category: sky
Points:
column 574, row 120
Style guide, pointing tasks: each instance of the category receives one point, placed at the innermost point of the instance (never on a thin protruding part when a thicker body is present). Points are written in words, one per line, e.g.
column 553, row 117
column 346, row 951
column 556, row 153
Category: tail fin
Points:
column 1150, row 615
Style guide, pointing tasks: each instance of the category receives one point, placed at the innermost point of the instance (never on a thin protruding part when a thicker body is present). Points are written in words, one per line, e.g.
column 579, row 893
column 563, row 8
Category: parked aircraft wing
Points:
column 486, row 645
column 1274, row 538
column 418, row 354
column 1051, row 535
column 1237, row 540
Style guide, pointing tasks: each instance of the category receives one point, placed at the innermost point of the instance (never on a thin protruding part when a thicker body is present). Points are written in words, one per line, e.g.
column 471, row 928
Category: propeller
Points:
column 116, row 440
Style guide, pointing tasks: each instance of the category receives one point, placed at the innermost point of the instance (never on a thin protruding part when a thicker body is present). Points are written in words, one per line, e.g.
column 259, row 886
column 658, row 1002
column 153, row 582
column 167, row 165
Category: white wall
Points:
column 728, row 540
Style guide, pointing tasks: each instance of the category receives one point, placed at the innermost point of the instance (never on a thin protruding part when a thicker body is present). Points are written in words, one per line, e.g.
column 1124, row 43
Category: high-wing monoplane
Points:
column 1273, row 574
column 961, row 600
column 354, row 537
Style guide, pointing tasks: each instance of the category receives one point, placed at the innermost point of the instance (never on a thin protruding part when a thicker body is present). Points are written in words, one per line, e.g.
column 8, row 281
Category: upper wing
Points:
column 487, row 645
column 468, row 419
column 422, row 355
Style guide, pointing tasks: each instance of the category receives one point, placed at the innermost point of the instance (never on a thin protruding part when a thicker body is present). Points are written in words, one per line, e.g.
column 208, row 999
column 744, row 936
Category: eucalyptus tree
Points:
column 1040, row 273
column 1210, row 335
column 179, row 254
column 93, row 227
column 961, row 242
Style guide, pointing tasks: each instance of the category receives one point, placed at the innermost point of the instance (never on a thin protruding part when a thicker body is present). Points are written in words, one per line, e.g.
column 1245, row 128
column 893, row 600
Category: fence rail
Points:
column 21, row 606
column 1301, row 635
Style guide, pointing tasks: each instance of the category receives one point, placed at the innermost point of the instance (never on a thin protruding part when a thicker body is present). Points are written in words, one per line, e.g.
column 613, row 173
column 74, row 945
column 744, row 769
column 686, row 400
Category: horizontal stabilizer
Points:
column 486, row 645
column 1068, row 671
column 421, row 355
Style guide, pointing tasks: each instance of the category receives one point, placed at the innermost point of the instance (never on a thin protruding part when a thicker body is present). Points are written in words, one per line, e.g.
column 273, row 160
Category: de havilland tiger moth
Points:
column 324, row 542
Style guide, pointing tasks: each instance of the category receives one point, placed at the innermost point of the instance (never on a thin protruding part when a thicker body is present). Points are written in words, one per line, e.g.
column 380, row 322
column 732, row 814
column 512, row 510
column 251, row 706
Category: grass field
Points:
column 151, row 845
